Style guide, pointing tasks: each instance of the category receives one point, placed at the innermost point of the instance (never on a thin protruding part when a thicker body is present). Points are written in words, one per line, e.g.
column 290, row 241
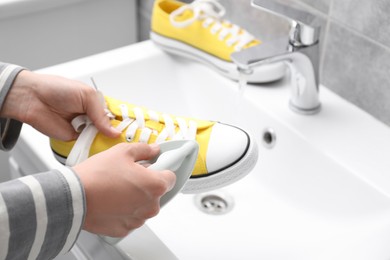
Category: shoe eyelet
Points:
column 129, row 139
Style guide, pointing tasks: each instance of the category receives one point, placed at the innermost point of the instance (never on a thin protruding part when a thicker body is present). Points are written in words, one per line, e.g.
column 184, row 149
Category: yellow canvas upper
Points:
column 102, row 143
column 194, row 34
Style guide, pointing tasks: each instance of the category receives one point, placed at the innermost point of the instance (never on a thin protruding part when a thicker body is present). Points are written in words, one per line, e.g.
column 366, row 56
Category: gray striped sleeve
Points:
column 9, row 128
column 22, row 224
column 40, row 215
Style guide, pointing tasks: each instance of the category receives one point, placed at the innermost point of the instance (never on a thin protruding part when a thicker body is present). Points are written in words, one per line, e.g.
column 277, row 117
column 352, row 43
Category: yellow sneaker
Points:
column 197, row 31
column 226, row 153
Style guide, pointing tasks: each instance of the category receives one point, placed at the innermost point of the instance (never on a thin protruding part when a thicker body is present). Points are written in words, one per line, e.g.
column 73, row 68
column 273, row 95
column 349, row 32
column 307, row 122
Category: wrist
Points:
column 18, row 98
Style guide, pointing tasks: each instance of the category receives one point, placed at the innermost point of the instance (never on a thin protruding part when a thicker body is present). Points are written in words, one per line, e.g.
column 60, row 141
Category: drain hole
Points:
column 269, row 138
column 214, row 203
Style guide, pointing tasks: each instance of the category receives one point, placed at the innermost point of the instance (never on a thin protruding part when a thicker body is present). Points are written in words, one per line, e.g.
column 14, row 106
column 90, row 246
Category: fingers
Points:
column 170, row 178
column 114, row 176
column 140, row 151
column 59, row 128
column 95, row 111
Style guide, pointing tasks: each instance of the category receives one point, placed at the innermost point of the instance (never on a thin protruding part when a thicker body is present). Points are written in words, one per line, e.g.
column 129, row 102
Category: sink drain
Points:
column 215, row 203
column 269, row 138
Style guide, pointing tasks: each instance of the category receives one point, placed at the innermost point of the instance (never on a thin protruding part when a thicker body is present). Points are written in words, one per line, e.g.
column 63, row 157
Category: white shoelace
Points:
column 211, row 12
column 88, row 131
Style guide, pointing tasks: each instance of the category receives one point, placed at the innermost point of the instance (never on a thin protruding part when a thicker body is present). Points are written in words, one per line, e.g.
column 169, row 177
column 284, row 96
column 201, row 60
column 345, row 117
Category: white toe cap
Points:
column 226, row 146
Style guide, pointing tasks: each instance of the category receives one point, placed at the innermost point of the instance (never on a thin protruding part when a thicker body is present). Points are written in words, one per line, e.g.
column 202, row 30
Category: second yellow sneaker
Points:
column 226, row 153
column 198, row 31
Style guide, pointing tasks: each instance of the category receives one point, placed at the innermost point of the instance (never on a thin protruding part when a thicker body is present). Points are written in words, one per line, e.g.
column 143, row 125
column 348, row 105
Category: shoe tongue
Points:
column 185, row 15
column 114, row 106
column 209, row 11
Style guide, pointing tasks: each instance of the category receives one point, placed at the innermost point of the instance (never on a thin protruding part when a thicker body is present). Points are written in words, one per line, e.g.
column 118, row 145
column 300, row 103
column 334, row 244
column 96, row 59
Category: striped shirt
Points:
column 41, row 215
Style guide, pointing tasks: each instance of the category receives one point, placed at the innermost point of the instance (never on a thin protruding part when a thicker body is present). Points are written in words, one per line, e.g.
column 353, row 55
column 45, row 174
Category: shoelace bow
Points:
column 211, row 12
column 88, row 131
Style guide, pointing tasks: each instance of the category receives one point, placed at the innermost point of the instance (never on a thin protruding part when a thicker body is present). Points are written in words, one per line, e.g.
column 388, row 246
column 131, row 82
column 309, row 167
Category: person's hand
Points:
column 49, row 103
column 120, row 193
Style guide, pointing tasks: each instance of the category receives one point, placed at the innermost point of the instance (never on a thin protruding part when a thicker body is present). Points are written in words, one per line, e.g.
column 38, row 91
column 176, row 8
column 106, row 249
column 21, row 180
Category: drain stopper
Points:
column 215, row 203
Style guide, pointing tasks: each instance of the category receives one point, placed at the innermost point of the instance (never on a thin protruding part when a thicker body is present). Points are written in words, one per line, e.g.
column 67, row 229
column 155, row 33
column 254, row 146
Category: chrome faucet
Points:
column 300, row 51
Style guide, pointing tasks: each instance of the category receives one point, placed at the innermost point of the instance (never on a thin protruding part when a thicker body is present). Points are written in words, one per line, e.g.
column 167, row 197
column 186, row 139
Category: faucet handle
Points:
column 304, row 31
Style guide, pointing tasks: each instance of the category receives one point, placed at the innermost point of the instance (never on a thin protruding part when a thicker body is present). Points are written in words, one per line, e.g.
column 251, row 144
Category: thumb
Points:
column 141, row 151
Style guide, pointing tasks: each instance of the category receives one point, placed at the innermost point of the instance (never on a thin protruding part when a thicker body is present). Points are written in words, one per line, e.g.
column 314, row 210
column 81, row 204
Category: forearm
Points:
column 9, row 128
column 40, row 215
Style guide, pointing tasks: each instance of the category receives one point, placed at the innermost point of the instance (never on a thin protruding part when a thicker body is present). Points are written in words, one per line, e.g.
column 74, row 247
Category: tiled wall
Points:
column 355, row 45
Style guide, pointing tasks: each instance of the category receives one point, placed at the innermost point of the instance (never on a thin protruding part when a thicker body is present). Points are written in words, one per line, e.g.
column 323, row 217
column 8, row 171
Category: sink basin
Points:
column 320, row 189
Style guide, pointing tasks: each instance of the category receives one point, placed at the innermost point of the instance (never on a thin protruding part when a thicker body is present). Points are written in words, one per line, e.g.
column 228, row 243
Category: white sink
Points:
column 322, row 191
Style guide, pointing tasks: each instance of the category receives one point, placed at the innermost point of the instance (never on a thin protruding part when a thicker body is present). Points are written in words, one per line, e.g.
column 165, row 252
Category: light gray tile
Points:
column 144, row 13
column 145, row 4
column 369, row 17
column 358, row 70
column 265, row 25
column 321, row 5
column 261, row 24
column 143, row 27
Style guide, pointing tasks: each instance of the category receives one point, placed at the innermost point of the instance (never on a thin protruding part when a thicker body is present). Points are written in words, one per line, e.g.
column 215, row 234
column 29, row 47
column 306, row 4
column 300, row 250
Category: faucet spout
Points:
column 300, row 51
column 303, row 66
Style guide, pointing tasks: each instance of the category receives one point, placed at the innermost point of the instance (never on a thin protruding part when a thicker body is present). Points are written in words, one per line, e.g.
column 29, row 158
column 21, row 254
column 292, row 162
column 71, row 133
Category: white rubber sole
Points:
column 219, row 179
column 262, row 74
